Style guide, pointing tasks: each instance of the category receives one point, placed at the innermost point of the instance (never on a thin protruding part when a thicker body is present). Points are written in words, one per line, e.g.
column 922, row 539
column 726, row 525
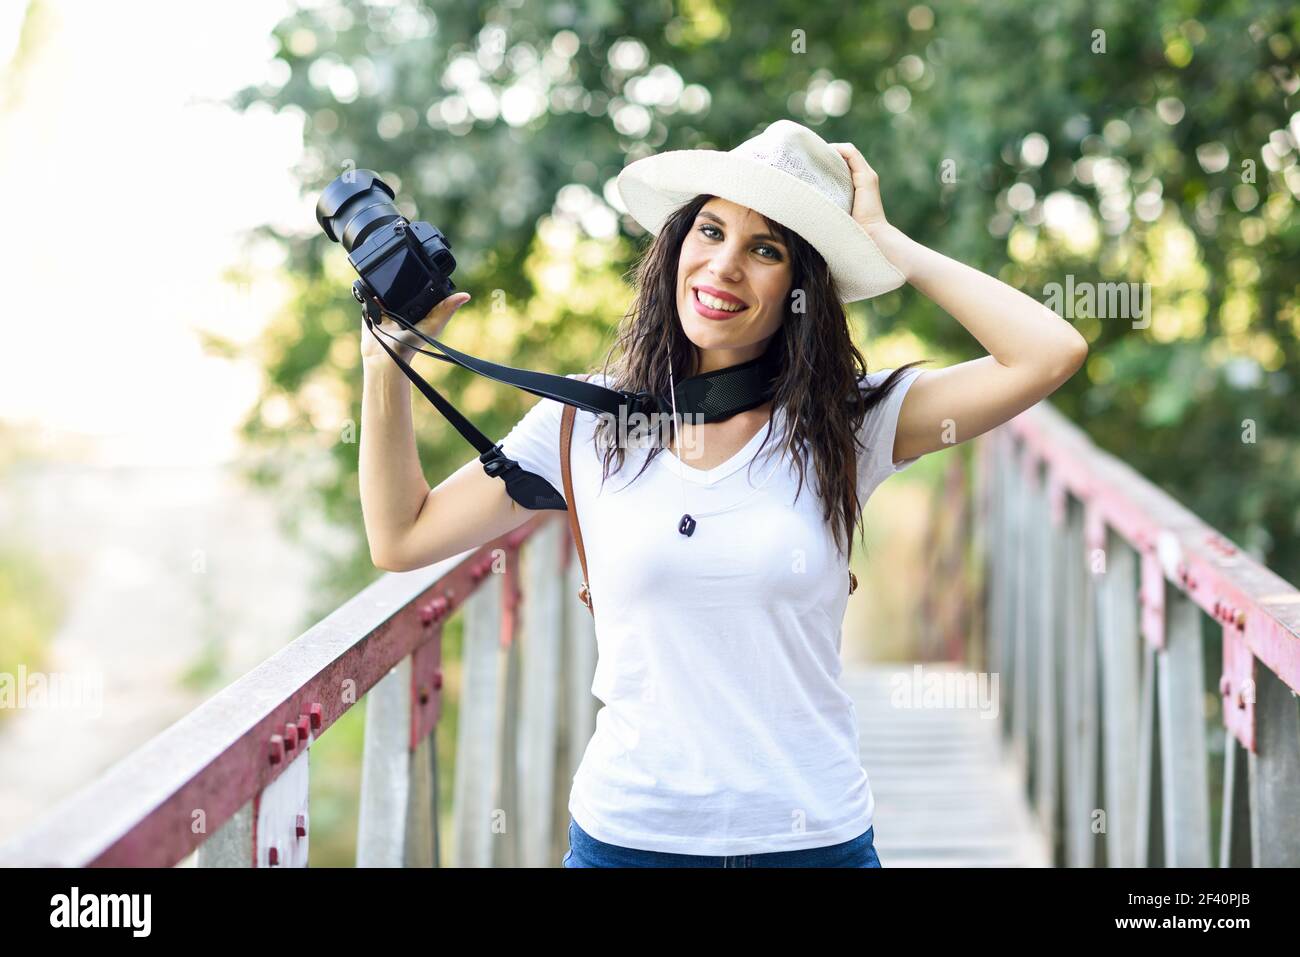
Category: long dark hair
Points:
column 820, row 367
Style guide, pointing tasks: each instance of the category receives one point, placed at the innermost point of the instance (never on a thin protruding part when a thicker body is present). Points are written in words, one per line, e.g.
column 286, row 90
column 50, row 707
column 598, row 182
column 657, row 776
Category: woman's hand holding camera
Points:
column 431, row 325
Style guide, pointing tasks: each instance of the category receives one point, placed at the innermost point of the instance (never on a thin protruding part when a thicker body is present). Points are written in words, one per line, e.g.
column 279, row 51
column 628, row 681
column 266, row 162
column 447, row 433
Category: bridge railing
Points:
column 1098, row 587
column 230, row 779
column 1116, row 619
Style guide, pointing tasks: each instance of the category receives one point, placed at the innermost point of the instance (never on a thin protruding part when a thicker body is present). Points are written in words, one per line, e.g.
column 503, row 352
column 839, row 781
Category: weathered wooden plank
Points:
column 1148, row 817
column 281, row 813
column 232, row 843
column 1081, row 705
column 542, row 648
column 508, row 825
column 996, row 573
column 476, row 808
column 396, row 824
column 1234, row 824
column 1120, row 652
column 944, row 793
column 1275, row 775
column 1020, row 677
column 1184, row 771
column 1051, row 553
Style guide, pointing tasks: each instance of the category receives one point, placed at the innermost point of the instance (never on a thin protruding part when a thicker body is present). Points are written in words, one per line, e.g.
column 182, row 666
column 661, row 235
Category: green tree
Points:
column 1168, row 127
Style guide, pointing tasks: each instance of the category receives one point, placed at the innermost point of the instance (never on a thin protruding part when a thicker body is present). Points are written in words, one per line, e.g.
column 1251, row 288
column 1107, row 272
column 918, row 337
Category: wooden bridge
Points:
column 1115, row 685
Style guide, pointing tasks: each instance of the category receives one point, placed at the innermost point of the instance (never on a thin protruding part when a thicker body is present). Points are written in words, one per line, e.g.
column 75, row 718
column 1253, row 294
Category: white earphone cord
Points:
column 672, row 392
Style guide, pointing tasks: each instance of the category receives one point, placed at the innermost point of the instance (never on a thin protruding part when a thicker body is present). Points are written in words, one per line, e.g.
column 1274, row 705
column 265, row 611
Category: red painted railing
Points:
column 1096, row 583
column 230, row 778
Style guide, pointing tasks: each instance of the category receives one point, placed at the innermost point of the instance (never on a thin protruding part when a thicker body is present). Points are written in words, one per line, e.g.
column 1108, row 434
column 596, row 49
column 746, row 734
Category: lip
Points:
column 719, row 294
column 717, row 315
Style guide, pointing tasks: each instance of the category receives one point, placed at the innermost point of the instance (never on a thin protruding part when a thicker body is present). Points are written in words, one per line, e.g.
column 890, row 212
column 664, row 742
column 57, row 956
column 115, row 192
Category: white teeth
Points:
column 714, row 303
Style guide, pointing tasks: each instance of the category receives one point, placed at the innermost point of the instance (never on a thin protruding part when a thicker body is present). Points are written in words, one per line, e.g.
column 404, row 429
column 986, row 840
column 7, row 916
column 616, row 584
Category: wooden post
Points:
column 1184, row 775
column 1035, row 582
column 1235, row 822
column 396, row 825
column 995, row 536
column 1018, row 610
column 281, row 814
column 1148, row 821
column 1059, row 558
column 232, row 843
column 1119, row 685
column 476, row 808
column 1085, row 705
column 1047, row 536
column 1275, row 775
column 542, row 619
column 508, row 823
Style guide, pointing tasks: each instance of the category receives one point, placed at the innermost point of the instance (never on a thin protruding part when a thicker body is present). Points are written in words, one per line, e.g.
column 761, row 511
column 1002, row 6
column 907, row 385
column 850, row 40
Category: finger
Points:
column 455, row 301
column 852, row 154
column 855, row 160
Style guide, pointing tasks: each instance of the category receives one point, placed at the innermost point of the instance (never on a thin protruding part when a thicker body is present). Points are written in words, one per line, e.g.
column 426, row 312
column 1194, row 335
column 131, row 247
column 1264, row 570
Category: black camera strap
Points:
column 710, row 397
column 527, row 488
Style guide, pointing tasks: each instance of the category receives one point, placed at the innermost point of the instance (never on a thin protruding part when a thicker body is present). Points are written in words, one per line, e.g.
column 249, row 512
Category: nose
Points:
column 726, row 263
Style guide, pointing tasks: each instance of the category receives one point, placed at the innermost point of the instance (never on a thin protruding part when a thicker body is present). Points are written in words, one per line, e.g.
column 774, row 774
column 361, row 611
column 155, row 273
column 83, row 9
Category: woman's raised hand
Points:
column 431, row 325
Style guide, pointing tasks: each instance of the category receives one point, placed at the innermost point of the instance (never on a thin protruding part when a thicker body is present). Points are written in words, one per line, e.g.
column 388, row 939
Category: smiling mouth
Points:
column 714, row 311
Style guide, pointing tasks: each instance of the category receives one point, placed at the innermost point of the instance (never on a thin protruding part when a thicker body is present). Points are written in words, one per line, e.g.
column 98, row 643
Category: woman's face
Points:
column 729, row 250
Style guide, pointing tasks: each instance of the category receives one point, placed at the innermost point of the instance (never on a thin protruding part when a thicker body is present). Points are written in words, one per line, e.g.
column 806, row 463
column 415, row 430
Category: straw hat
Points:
column 789, row 174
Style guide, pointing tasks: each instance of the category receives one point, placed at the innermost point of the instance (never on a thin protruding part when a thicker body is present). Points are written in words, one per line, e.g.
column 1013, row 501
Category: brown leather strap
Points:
column 566, row 440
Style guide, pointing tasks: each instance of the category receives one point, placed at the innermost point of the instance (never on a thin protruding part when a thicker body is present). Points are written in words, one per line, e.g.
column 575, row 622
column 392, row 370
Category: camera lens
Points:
column 353, row 206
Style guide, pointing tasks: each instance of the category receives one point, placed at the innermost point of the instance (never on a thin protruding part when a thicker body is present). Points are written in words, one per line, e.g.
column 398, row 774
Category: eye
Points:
column 776, row 254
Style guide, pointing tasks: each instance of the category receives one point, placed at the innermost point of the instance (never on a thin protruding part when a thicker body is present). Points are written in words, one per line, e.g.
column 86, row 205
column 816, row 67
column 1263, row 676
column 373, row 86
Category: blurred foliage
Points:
column 1088, row 142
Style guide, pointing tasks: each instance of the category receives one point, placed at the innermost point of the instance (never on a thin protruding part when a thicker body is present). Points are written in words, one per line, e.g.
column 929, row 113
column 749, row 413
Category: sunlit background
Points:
column 131, row 191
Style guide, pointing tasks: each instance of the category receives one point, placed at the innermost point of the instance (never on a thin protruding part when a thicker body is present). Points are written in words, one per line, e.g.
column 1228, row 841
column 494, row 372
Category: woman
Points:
column 725, row 739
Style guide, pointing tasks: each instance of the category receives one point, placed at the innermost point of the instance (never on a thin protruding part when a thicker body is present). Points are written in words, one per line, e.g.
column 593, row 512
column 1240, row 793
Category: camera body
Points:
column 404, row 267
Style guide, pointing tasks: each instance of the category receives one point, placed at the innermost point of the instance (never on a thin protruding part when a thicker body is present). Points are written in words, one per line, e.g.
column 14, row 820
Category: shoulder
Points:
column 874, row 380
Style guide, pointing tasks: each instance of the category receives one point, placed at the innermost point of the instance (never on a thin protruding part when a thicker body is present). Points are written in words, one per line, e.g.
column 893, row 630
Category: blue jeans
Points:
column 586, row 851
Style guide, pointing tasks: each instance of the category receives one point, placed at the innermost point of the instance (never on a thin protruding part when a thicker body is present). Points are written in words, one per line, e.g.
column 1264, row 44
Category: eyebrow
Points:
column 704, row 213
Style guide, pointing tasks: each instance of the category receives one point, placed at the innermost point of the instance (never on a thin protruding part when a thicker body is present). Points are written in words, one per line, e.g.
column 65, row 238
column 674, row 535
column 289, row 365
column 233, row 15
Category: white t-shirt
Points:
column 724, row 730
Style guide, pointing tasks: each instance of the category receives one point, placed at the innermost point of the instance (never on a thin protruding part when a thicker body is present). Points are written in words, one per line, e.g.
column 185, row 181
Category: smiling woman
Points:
column 733, row 269
column 724, row 733
column 791, row 311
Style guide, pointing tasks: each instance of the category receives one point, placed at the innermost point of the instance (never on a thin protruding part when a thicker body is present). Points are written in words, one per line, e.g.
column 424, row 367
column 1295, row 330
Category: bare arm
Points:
column 1031, row 351
column 409, row 525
